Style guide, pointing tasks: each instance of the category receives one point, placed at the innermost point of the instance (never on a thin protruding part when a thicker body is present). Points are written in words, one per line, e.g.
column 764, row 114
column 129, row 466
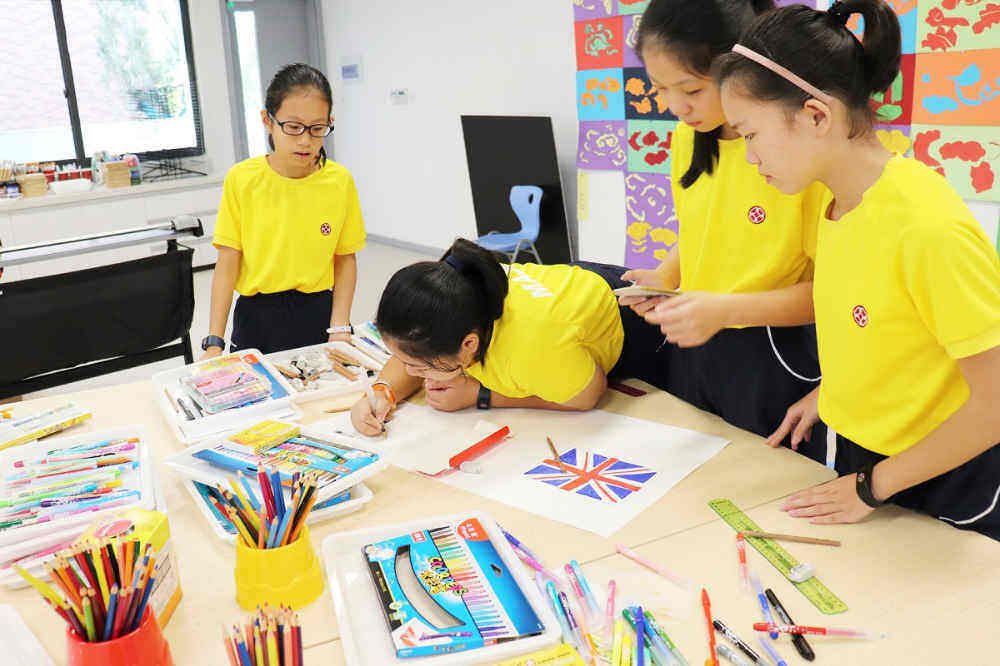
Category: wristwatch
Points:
column 485, row 399
column 341, row 329
column 213, row 341
column 863, row 486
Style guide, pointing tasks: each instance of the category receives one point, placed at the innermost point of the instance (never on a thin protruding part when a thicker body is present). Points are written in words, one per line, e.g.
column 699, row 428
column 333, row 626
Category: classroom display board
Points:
column 943, row 109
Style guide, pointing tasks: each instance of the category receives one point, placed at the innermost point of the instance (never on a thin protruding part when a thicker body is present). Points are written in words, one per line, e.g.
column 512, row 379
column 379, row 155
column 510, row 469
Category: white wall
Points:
column 455, row 57
column 213, row 88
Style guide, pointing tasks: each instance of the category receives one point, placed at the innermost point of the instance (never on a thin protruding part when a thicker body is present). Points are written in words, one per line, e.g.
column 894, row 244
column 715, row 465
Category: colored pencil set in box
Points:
column 271, row 638
column 67, row 482
column 268, row 522
column 224, row 384
column 103, row 588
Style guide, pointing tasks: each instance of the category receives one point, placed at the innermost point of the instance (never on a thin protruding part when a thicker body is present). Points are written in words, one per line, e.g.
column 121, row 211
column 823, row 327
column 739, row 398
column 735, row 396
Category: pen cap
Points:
column 288, row 575
column 146, row 645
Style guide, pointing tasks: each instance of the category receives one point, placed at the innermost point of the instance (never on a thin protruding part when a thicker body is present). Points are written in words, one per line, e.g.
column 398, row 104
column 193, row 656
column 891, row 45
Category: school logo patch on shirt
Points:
column 325, row 229
column 756, row 215
column 860, row 314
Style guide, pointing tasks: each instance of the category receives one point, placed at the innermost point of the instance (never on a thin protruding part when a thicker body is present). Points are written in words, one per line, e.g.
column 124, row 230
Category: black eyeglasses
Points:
column 293, row 128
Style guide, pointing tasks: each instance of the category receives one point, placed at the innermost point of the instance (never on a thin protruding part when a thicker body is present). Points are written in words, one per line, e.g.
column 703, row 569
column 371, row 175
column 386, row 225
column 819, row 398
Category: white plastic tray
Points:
column 360, row 495
column 189, row 466
column 331, row 383
column 143, row 480
column 189, row 432
column 363, row 632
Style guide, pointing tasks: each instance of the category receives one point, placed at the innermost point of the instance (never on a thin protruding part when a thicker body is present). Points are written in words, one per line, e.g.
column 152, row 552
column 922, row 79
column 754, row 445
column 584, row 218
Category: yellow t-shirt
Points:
column 288, row 229
column 557, row 322
column 737, row 233
column 905, row 284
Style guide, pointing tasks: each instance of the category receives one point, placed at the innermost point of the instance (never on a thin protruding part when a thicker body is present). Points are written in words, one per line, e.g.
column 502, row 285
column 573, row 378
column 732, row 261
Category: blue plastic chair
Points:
column 526, row 200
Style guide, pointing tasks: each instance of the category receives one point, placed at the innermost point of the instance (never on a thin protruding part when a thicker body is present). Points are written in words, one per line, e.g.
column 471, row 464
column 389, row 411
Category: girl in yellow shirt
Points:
column 739, row 340
column 907, row 286
column 288, row 228
column 475, row 332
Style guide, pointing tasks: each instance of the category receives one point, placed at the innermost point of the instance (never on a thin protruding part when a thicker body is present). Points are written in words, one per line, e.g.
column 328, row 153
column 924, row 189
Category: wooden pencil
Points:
column 555, row 455
column 792, row 537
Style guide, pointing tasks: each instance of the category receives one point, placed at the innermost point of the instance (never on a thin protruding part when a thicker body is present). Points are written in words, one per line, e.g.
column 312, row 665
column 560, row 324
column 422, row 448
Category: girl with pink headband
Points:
column 907, row 286
column 739, row 341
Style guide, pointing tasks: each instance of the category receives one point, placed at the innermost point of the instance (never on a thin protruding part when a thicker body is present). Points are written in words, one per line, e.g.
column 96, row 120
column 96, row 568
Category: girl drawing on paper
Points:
column 907, row 286
column 739, row 339
column 475, row 332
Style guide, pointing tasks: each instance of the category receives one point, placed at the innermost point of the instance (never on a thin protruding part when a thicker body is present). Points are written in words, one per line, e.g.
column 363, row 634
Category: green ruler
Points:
column 813, row 590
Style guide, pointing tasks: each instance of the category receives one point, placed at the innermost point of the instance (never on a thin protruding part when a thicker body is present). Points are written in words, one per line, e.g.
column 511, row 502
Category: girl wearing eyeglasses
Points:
column 288, row 228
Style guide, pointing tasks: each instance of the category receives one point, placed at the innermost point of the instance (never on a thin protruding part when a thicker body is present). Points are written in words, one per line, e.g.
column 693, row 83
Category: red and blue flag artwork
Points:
column 594, row 475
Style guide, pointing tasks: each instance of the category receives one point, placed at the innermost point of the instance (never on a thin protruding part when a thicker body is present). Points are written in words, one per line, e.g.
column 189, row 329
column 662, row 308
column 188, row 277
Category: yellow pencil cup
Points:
column 288, row 575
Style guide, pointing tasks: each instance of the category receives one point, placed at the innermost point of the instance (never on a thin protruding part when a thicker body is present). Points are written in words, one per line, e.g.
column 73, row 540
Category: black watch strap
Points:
column 485, row 399
column 213, row 341
column 863, row 485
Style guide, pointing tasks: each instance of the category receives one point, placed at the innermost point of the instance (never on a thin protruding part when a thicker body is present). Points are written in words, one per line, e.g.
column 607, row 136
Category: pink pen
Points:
column 534, row 564
column 609, row 613
column 680, row 581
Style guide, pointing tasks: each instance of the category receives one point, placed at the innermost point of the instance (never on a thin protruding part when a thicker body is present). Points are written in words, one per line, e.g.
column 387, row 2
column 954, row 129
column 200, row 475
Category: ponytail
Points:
column 696, row 33
column 818, row 47
column 429, row 307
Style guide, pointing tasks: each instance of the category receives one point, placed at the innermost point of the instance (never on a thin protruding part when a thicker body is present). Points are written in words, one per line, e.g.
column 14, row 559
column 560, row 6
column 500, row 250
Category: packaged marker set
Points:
column 447, row 589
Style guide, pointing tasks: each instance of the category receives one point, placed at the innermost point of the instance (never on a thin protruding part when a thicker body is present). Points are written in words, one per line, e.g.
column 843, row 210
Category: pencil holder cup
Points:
column 146, row 645
column 287, row 575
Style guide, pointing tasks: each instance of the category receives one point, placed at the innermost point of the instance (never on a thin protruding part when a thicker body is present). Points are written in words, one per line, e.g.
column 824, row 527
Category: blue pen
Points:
column 595, row 610
column 771, row 652
column 241, row 647
column 764, row 606
column 563, row 622
column 581, row 640
column 640, row 643
column 514, row 540
column 250, row 495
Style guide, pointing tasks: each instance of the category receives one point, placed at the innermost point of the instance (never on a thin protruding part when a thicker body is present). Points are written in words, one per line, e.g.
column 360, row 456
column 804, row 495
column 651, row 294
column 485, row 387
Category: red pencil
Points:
column 707, row 605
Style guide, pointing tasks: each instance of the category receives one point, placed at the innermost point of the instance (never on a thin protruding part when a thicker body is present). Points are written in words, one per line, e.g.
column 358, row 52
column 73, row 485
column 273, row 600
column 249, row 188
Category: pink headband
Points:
column 784, row 73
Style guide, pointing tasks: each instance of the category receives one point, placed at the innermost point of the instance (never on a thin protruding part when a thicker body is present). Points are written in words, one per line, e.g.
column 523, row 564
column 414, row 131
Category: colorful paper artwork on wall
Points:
column 943, row 108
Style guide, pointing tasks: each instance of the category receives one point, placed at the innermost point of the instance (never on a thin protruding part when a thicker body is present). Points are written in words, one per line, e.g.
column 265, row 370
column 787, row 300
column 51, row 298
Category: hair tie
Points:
column 839, row 13
column 453, row 262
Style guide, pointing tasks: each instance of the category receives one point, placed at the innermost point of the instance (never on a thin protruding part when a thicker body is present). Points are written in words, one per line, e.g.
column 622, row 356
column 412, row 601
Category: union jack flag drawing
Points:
column 593, row 475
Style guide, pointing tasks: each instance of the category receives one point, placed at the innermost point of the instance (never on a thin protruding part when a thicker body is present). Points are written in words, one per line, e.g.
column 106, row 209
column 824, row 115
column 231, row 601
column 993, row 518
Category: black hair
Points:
column 697, row 32
column 818, row 47
column 290, row 78
column 429, row 307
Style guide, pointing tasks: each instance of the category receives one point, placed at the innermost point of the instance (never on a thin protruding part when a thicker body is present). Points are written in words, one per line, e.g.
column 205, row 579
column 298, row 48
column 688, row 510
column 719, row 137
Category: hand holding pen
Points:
column 370, row 413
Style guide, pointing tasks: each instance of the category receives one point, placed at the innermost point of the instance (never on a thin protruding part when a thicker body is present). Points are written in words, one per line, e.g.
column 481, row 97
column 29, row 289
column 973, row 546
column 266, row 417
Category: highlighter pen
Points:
column 737, row 641
column 652, row 624
column 595, row 610
column 640, row 642
column 801, row 644
column 616, row 643
column 649, row 639
column 765, row 608
column 581, row 640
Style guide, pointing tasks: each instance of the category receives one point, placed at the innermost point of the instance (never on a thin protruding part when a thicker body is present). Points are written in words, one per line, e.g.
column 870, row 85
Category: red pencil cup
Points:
column 145, row 646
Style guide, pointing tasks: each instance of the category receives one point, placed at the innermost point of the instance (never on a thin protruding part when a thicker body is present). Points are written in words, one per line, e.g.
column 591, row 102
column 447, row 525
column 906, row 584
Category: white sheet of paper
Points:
column 601, row 501
column 20, row 646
